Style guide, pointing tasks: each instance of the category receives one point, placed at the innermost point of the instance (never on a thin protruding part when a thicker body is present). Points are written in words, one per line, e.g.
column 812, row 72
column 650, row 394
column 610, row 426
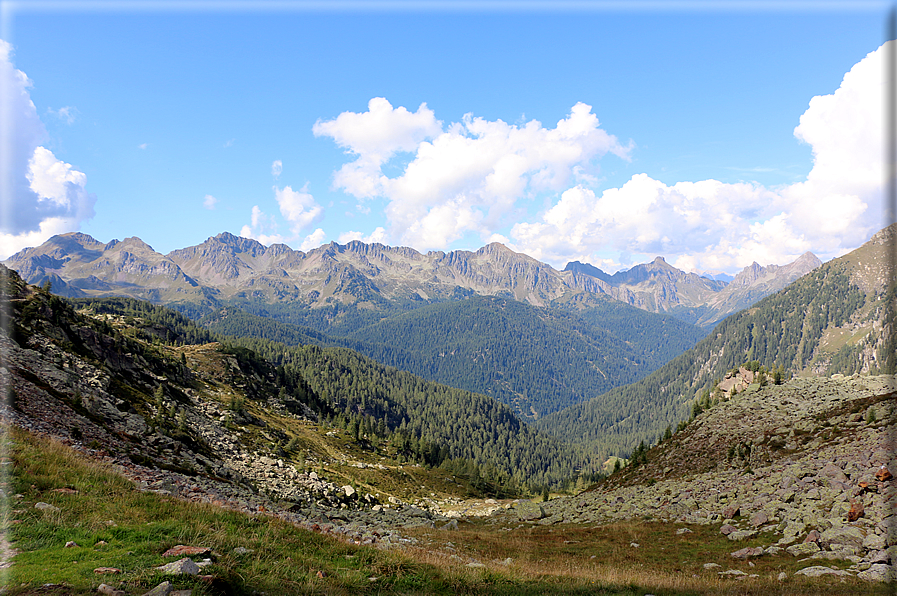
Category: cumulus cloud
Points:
column 710, row 225
column 276, row 168
column 313, row 240
column 263, row 228
column 42, row 195
column 378, row 235
column 467, row 176
column 298, row 207
column 646, row 217
column 300, row 210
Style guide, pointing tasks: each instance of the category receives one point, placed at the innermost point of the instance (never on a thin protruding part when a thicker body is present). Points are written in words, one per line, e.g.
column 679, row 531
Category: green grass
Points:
column 138, row 527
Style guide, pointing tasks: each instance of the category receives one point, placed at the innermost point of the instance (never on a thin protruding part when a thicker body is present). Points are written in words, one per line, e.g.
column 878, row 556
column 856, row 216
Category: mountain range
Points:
column 227, row 268
column 492, row 321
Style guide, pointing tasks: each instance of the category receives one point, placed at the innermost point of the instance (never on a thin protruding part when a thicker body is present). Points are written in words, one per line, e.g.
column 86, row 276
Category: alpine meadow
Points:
column 428, row 298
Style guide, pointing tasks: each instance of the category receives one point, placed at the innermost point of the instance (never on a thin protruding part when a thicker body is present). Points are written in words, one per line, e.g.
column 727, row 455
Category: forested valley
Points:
column 536, row 359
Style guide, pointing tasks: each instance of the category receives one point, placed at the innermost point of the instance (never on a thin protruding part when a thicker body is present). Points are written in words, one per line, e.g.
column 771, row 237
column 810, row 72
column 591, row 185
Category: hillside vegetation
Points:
column 794, row 329
column 145, row 370
column 537, row 360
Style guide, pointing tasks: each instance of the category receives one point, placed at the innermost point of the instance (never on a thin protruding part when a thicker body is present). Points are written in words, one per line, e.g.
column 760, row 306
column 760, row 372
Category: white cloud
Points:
column 467, row 176
column 142, row 146
column 710, row 225
column 298, row 207
column 381, row 131
column 66, row 114
column 276, row 168
column 378, row 235
column 262, row 228
column 209, row 202
column 313, row 240
column 42, row 195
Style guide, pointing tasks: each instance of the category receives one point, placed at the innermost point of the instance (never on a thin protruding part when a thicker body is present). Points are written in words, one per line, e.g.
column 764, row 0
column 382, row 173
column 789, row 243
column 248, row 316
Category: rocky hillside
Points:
column 147, row 390
column 805, row 469
column 660, row 287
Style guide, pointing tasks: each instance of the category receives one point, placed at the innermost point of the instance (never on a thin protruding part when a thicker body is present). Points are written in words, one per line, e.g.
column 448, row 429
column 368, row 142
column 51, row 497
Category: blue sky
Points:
column 439, row 129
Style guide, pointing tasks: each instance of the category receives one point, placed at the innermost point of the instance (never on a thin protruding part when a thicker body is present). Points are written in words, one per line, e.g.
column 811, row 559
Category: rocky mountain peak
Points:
column 885, row 235
column 808, row 260
column 238, row 243
column 749, row 274
column 132, row 243
column 588, row 269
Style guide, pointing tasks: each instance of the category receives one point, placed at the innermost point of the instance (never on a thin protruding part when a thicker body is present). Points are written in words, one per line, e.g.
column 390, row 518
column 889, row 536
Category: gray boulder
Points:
column 878, row 573
column 529, row 511
column 184, row 566
column 803, row 549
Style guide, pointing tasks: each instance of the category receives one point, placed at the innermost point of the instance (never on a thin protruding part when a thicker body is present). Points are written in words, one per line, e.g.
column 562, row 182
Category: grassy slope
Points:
column 287, row 560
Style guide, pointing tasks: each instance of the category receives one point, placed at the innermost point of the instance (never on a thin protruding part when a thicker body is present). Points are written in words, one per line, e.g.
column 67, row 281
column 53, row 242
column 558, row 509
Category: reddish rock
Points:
column 186, row 551
column 883, row 473
column 813, row 536
column 107, row 570
column 748, row 552
column 856, row 511
column 759, row 518
column 730, row 512
column 727, row 529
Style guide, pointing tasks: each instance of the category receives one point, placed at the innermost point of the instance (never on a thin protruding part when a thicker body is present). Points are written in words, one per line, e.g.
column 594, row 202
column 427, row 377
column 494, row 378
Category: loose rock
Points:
column 184, row 566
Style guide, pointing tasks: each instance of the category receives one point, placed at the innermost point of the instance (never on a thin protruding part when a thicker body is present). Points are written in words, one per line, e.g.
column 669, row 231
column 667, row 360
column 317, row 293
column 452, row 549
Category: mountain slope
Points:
column 837, row 319
column 799, row 474
column 537, row 360
column 366, row 297
column 146, row 376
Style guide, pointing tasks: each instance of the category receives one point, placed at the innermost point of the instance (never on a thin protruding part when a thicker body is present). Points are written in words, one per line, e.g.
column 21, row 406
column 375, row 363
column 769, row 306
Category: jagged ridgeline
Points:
column 429, row 422
column 836, row 319
column 538, row 360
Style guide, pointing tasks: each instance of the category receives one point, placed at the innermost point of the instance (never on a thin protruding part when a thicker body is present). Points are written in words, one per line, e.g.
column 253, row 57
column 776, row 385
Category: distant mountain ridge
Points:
column 228, row 267
column 660, row 287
